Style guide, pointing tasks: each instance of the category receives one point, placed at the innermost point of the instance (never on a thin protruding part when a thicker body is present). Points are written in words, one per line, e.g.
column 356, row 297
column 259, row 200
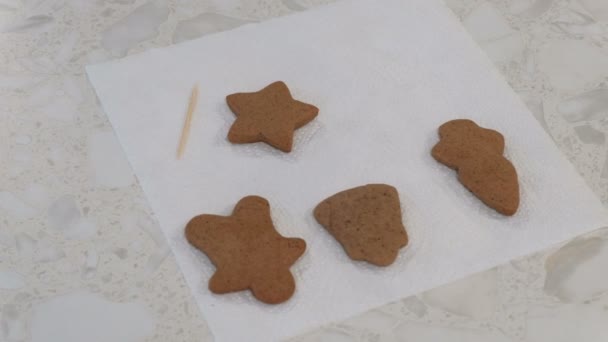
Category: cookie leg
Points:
column 224, row 281
column 276, row 289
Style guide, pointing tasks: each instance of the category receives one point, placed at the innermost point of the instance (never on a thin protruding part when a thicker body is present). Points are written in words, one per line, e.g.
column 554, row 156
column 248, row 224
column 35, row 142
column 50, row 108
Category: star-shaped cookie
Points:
column 247, row 251
column 270, row 115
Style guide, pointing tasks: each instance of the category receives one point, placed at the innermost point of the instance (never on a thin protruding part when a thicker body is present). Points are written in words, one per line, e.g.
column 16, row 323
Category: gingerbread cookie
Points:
column 270, row 115
column 367, row 222
column 247, row 251
column 477, row 154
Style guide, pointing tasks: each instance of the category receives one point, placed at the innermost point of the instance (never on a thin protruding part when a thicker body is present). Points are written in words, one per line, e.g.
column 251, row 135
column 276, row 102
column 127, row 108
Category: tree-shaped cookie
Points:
column 247, row 251
column 477, row 154
column 270, row 115
column 367, row 222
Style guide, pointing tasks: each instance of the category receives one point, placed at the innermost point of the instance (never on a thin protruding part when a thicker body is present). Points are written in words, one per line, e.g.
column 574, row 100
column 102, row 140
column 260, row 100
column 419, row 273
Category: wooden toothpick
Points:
column 186, row 130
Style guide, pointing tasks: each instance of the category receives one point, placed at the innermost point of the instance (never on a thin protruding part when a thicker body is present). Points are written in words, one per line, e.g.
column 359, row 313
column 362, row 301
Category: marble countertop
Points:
column 83, row 259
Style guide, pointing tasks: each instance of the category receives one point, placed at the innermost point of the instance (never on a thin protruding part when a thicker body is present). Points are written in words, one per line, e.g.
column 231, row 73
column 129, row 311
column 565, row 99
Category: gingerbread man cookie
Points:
column 247, row 251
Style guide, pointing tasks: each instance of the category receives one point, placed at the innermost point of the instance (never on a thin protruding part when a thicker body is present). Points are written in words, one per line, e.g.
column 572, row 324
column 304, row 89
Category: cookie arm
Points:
column 291, row 249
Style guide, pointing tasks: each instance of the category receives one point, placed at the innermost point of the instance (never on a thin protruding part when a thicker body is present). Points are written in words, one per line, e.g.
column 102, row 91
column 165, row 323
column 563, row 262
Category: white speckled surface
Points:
column 76, row 232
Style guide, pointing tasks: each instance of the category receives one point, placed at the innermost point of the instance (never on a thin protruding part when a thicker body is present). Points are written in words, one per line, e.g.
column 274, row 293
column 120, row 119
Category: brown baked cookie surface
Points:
column 367, row 222
column 247, row 251
column 270, row 115
column 477, row 154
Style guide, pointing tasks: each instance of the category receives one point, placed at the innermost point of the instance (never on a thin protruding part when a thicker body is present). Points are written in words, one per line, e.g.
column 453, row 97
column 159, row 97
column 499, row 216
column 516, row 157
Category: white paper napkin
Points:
column 385, row 75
